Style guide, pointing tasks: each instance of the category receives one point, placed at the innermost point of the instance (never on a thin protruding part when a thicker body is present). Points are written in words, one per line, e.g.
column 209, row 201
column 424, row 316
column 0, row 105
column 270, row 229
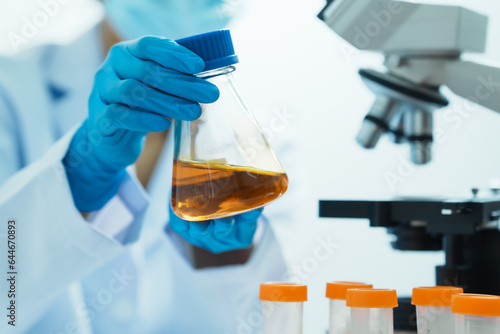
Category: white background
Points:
column 290, row 61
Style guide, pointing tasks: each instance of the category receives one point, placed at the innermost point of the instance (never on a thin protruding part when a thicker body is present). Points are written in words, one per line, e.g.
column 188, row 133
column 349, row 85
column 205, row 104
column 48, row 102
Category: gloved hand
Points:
column 218, row 235
column 140, row 84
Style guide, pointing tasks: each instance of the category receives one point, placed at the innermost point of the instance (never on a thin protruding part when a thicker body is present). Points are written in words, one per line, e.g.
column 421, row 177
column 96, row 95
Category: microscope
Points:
column 423, row 46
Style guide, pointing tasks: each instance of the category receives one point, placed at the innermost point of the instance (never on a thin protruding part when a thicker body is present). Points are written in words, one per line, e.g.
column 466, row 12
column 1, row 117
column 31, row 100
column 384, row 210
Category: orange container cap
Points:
column 434, row 295
column 372, row 298
column 338, row 290
column 480, row 305
column 283, row 292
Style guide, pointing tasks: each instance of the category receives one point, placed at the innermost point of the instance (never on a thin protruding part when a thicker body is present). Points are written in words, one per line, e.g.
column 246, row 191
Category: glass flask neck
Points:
column 216, row 72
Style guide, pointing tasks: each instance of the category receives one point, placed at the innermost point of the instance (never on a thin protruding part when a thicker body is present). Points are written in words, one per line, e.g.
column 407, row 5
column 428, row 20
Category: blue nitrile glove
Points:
column 140, row 84
column 218, row 235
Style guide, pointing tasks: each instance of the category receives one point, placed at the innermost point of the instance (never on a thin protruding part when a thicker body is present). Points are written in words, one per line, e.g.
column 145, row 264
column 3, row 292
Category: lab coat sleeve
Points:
column 116, row 219
column 54, row 245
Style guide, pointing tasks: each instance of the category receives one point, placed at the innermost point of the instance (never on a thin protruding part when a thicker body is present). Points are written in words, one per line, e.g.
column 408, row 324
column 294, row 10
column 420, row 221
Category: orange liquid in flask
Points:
column 204, row 191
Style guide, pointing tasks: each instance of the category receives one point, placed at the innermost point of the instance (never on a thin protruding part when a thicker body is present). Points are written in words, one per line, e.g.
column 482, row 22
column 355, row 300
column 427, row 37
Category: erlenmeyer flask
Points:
column 223, row 165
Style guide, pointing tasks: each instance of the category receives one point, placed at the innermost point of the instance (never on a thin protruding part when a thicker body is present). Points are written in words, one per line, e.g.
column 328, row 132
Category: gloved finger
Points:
column 167, row 53
column 178, row 225
column 202, row 235
column 249, row 216
column 245, row 233
column 175, row 221
column 224, row 229
column 200, row 229
column 167, row 80
column 124, row 117
column 135, row 94
column 246, row 225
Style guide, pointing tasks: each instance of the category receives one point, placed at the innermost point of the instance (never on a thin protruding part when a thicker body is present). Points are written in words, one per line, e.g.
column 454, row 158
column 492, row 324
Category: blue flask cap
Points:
column 215, row 48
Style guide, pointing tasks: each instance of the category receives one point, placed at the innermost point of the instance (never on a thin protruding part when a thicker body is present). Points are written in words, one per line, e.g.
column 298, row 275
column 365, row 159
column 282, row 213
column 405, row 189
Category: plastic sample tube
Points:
column 476, row 314
column 372, row 310
column 340, row 314
column 282, row 305
column 434, row 309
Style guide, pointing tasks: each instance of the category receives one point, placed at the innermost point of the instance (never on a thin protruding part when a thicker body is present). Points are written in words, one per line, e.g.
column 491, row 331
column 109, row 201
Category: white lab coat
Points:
column 123, row 272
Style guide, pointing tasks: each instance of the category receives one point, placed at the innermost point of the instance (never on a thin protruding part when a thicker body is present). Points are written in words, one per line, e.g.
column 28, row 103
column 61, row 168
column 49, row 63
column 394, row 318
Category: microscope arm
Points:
column 475, row 82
